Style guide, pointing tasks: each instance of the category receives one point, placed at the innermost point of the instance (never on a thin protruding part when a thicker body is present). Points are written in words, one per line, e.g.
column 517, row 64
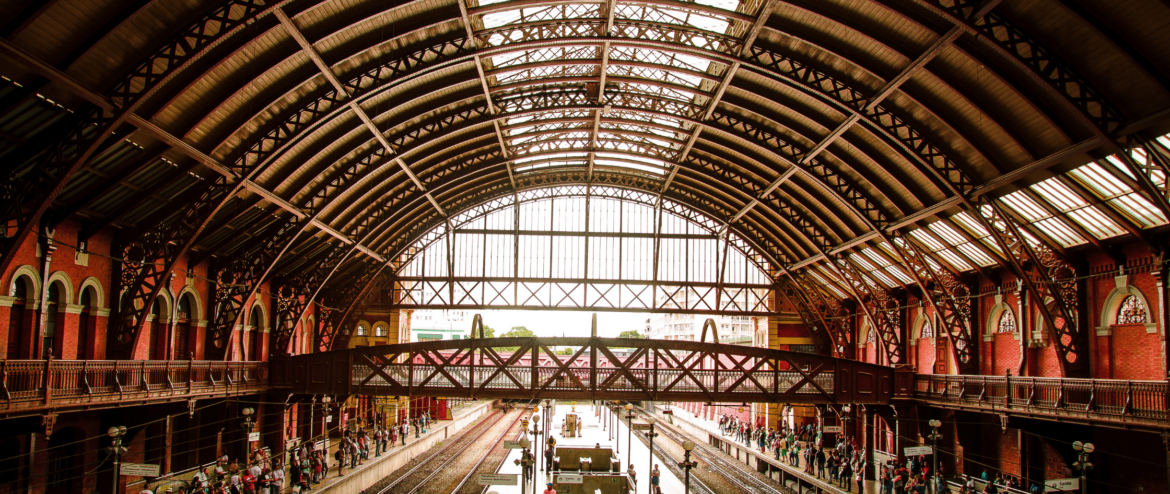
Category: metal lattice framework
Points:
column 599, row 368
column 831, row 168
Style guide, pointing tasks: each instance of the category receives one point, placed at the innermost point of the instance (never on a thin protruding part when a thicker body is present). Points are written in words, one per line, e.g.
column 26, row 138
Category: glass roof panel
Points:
column 666, row 15
column 976, row 254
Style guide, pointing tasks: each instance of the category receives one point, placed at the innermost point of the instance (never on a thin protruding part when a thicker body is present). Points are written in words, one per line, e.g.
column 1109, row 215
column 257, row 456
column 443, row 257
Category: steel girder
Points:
column 656, row 370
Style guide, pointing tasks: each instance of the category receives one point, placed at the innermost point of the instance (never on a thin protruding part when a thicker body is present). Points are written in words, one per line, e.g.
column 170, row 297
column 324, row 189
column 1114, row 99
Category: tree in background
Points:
column 488, row 332
column 519, row 332
column 631, row 334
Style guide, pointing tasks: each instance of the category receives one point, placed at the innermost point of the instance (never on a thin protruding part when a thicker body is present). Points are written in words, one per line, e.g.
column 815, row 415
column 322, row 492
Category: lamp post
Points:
column 116, row 449
column 845, row 423
column 325, row 400
column 616, row 436
column 1083, row 464
column 629, row 435
column 687, row 465
column 536, row 433
column 248, row 424
column 525, row 461
column 934, row 437
column 650, row 466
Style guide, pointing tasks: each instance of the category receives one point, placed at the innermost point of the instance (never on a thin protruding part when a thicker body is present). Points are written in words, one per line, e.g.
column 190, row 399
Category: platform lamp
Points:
column 116, row 449
column 650, row 466
column 536, row 433
column 526, row 462
column 629, row 434
column 325, row 400
column 248, row 424
column 1083, row 464
column 845, row 423
column 934, row 437
column 687, row 464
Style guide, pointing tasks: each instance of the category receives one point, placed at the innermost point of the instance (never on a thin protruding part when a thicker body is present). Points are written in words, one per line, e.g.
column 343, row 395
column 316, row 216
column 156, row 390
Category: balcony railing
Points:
column 37, row 384
column 1101, row 399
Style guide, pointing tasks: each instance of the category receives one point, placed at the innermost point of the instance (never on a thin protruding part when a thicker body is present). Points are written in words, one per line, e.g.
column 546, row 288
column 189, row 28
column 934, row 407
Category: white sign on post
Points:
column 139, row 469
column 833, row 429
column 1062, row 485
column 253, row 436
column 570, row 479
column 918, row 450
column 328, row 419
column 499, row 479
column 512, row 445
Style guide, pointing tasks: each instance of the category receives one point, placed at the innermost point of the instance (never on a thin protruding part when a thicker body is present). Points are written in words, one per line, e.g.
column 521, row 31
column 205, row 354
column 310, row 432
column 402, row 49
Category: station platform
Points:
column 595, row 431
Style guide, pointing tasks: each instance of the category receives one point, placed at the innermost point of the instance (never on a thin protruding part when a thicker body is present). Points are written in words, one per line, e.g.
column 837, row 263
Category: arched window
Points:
column 21, row 286
column 381, row 330
column 927, row 330
column 85, row 322
column 1132, row 311
column 361, row 330
column 183, row 328
column 1007, row 322
column 253, row 346
column 872, row 337
column 51, row 321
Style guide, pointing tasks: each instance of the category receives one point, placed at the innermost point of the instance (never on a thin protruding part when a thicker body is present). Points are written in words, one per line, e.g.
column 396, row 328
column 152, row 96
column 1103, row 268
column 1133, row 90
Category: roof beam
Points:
column 327, row 71
column 81, row 90
column 487, row 93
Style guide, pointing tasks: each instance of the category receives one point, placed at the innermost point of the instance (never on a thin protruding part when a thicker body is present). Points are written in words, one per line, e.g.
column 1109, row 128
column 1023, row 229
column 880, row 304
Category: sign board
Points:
column 570, row 479
column 512, row 445
column 253, row 436
column 918, row 450
column 1062, row 485
column 139, row 469
column 499, row 479
column 833, row 429
column 328, row 419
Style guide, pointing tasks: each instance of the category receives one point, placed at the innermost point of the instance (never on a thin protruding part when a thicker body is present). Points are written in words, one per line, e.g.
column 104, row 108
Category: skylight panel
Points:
column 1059, row 195
column 954, row 260
column 1029, row 209
column 1157, row 176
column 976, row 254
column 928, row 240
column 824, row 282
column 861, row 262
column 667, row 15
column 732, row 5
column 975, row 229
column 1035, row 214
column 1060, row 232
column 1142, row 211
column 875, row 257
column 899, row 273
column 948, row 234
column 1093, row 220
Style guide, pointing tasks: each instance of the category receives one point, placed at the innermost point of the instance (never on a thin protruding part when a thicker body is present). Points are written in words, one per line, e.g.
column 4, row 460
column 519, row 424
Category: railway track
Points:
column 496, row 452
column 671, row 463
column 413, row 480
column 743, row 478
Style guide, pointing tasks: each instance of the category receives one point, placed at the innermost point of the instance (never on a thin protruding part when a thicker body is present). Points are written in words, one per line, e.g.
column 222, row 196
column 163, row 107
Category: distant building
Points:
column 736, row 330
column 429, row 325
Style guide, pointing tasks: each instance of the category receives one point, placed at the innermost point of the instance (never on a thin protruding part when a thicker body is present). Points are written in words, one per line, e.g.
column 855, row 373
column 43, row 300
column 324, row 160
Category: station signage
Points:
column 139, row 469
column 1062, row 485
column 918, row 450
column 253, row 436
column 833, row 429
column 499, row 479
column 570, row 479
column 512, row 445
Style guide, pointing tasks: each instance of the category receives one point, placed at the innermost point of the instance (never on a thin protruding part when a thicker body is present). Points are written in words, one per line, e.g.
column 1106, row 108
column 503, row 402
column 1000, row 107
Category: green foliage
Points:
column 519, row 332
column 488, row 332
column 566, row 351
column 631, row 334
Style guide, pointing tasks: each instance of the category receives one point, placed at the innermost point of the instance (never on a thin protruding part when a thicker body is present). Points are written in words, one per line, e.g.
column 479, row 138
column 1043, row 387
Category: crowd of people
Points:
column 842, row 465
column 308, row 465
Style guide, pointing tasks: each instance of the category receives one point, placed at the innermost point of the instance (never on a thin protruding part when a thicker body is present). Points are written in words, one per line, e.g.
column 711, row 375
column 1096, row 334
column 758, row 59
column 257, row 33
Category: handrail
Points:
column 1091, row 397
column 47, row 383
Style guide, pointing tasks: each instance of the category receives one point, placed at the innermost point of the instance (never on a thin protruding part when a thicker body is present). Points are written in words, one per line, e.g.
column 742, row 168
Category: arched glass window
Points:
column 361, row 331
column 1007, row 321
column 927, row 330
column 1132, row 311
column 381, row 331
column 872, row 337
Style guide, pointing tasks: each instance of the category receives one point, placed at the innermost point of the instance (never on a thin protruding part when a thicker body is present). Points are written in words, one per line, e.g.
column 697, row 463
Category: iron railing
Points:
column 32, row 384
column 1094, row 398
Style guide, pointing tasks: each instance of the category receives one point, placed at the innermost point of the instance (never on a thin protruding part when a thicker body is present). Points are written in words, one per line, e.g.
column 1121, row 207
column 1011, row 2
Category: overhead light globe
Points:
column 248, row 411
column 524, row 442
column 113, row 432
column 326, row 399
column 688, row 445
column 935, row 423
column 651, row 420
column 1089, row 447
column 1077, row 445
column 121, row 430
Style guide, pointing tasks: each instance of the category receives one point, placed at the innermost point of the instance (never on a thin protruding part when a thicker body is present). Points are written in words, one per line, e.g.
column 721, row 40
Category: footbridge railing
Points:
column 590, row 368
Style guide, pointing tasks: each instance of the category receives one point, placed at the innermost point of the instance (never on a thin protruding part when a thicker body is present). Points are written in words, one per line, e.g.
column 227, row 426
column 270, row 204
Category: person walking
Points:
column 654, row 475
